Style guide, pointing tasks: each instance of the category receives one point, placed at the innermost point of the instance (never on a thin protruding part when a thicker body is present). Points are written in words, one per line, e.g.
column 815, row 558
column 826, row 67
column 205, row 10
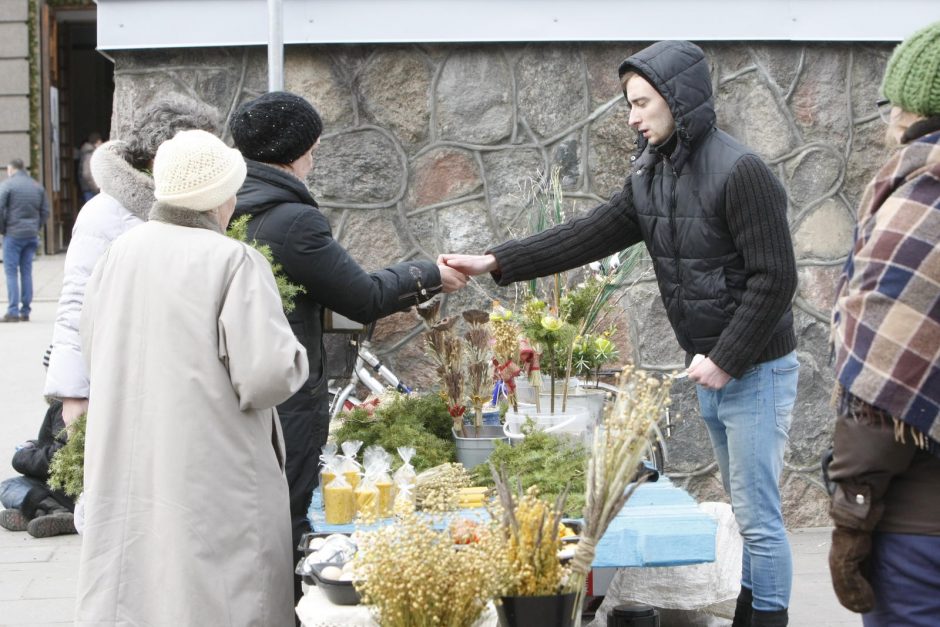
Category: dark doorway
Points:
column 79, row 86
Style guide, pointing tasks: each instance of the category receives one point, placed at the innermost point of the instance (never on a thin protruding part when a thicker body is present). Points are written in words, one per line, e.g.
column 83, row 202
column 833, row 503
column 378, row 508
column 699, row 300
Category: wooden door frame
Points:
column 49, row 76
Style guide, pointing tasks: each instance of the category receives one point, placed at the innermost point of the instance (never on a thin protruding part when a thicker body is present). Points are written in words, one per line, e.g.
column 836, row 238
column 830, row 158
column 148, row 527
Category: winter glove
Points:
column 855, row 514
column 848, row 558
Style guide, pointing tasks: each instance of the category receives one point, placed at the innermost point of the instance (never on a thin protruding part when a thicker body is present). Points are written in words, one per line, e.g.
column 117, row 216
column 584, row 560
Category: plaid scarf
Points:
column 886, row 320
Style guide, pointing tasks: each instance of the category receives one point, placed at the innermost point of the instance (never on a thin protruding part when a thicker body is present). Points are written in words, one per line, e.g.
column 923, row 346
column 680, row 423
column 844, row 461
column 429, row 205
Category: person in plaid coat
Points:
column 885, row 553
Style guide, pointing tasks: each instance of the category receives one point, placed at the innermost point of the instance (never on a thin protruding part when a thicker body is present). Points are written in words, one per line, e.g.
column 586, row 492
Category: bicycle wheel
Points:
column 654, row 454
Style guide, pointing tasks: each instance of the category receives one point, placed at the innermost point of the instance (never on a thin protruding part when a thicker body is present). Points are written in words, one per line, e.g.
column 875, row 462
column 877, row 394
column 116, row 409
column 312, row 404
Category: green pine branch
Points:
column 238, row 229
column 67, row 469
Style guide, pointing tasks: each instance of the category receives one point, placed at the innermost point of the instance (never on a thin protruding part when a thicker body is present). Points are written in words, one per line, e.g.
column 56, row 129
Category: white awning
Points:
column 126, row 24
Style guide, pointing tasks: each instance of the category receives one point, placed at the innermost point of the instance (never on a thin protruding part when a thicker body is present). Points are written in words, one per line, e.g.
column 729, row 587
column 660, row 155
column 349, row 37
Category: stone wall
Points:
column 426, row 149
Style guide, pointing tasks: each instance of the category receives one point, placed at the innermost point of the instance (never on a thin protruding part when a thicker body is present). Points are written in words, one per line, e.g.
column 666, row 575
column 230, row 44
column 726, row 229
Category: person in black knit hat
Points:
column 277, row 133
column 276, row 128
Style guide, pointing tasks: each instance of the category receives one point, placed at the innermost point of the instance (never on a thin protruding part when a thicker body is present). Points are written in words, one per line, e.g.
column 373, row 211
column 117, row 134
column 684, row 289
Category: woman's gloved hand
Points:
column 848, row 560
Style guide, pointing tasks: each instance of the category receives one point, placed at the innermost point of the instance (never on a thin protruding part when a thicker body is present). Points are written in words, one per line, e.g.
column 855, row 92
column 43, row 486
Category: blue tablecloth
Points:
column 661, row 525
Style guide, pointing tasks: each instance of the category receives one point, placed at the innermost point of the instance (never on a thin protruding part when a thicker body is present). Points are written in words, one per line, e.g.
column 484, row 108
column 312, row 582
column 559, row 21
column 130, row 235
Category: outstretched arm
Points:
column 607, row 229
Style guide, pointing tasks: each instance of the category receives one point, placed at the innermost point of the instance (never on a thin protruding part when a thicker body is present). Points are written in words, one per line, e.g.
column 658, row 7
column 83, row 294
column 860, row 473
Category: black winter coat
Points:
column 34, row 459
column 286, row 217
column 680, row 199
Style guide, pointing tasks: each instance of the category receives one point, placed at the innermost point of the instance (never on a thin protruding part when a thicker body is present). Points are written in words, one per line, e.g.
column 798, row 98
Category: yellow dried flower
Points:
column 413, row 576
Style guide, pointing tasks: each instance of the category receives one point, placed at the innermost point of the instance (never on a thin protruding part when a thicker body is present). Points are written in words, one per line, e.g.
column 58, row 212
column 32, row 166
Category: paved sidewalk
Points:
column 37, row 577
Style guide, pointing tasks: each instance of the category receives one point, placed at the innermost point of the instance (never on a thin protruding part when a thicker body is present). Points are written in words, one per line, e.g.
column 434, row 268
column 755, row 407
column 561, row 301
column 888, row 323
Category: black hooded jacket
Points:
column 34, row 459
column 286, row 218
column 712, row 215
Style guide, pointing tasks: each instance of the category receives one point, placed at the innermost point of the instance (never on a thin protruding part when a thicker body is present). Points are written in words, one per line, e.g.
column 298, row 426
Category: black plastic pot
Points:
column 637, row 615
column 553, row 610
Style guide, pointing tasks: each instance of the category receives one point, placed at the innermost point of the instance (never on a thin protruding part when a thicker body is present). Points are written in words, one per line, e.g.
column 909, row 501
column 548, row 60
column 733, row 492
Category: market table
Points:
column 661, row 525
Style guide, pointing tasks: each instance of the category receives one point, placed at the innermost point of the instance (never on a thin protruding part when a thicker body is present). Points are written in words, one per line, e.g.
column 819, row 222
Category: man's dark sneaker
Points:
column 13, row 520
column 58, row 524
column 24, row 317
column 9, row 318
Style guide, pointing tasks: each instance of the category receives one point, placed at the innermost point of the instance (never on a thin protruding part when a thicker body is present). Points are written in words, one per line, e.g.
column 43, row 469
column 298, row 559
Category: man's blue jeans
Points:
column 18, row 253
column 748, row 421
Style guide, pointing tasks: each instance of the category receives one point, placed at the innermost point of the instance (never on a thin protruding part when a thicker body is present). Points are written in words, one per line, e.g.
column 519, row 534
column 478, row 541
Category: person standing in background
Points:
column 24, row 208
column 885, row 554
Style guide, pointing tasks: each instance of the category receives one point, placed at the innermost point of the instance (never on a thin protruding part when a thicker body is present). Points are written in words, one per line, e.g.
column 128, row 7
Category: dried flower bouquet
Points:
column 616, row 453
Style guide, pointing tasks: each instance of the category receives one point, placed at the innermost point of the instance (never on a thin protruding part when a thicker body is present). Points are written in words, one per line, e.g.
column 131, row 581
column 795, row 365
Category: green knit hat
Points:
column 912, row 79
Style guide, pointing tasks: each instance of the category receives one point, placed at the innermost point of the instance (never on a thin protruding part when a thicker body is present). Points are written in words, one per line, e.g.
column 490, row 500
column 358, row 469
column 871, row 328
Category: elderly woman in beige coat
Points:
column 187, row 515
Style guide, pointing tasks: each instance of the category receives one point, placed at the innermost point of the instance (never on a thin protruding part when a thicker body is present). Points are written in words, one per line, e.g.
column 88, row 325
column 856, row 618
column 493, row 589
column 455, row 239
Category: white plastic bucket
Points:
column 592, row 400
column 574, row 421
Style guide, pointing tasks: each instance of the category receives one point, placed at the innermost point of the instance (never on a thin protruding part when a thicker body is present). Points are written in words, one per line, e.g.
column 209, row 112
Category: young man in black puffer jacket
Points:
column 277, row 134
column 714, row 219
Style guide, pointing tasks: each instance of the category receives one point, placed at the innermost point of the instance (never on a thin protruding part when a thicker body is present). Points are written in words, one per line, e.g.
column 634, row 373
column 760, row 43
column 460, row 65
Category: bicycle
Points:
column 366, row 363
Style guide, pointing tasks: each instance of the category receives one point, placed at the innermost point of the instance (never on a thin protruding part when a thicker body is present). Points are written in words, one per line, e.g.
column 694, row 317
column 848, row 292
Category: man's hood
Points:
column 679, row 72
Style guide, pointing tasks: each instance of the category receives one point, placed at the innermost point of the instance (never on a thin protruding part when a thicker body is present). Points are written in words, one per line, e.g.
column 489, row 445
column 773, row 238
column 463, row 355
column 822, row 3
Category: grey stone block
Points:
column 14, row 77
column 14, row 113
column 13, row 146
column 13, row 40
column 14, row 10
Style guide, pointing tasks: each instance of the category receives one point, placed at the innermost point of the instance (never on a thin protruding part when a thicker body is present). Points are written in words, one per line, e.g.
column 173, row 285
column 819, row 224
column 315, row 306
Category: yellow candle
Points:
column 385, row 498
column 352, row 478
column 339, row 504
column 367, row 501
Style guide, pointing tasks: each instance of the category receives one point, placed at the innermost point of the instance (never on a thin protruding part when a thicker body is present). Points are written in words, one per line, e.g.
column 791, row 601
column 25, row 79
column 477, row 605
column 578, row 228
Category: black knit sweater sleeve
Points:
column 756, row 213
column 607, row 229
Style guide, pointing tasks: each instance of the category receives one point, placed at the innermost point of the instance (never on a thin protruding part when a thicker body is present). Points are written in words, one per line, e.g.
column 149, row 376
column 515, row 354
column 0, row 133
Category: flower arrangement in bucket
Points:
column 464, row 365
column 533, row 589
column 560, row 321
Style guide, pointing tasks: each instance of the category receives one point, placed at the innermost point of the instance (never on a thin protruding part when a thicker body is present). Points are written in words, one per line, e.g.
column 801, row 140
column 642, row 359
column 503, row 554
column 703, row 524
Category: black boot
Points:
column 777, row 618
column 743, row 609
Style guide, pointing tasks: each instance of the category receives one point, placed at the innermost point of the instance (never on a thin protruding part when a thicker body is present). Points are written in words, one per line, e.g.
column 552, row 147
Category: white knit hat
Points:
column 196, row 170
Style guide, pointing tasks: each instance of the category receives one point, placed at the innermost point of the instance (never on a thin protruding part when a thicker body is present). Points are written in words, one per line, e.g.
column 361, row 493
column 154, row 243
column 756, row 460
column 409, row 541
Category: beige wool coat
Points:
column 187, row 519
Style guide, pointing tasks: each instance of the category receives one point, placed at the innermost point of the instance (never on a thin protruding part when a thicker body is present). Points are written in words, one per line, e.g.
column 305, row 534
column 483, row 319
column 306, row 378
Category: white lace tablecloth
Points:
column 315, row 610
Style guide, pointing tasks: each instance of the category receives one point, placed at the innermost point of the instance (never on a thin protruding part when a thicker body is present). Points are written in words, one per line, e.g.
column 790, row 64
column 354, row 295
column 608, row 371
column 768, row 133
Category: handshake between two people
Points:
column 456, row 270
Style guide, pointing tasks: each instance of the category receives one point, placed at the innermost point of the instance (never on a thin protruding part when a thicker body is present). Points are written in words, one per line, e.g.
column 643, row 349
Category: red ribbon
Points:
column 507, row 373
column 528, row 356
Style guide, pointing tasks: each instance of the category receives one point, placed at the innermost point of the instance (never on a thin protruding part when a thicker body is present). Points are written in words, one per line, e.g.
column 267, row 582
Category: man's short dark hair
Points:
column 17, row 164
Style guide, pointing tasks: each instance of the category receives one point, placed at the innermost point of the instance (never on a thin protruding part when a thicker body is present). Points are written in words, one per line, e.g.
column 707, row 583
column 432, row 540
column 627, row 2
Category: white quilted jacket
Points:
column 124, row 202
